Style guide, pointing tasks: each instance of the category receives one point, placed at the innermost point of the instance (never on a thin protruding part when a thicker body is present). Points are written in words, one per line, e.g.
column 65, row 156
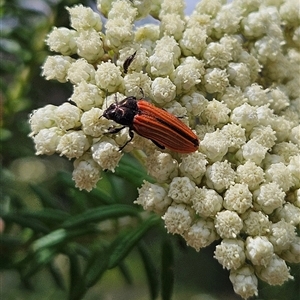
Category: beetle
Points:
column 128, row 62
column 161, row 127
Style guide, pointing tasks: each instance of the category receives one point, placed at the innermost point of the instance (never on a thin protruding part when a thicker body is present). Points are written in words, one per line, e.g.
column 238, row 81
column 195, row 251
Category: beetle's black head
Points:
column 123, row 112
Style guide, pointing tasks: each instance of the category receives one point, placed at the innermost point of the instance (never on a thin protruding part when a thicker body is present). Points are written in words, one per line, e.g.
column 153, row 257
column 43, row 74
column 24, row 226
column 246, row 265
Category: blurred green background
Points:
column 58, row 242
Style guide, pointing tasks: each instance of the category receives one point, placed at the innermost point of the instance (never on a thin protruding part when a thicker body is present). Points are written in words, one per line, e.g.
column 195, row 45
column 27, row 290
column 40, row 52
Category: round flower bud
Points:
column 181, row 189
column 67, row 116
column 228, row 224
column 256, row 223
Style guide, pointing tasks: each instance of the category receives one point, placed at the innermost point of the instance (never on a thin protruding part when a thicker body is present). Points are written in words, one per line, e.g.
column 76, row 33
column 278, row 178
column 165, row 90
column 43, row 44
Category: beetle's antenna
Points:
column 142, row 92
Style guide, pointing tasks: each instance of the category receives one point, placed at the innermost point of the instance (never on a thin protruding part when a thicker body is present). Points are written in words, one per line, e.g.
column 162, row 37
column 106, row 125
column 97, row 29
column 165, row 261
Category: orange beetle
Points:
column 156, row 124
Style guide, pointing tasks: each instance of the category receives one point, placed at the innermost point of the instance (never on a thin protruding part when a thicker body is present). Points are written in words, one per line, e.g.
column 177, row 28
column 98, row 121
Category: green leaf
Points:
column 57, row 276
column 99, row 214
column 47, row 215
column 167, row 272
column 59, row 236
column 150, row 269
column 125, row 272
column 122, row 245
column 77, row 286
column 46, row 197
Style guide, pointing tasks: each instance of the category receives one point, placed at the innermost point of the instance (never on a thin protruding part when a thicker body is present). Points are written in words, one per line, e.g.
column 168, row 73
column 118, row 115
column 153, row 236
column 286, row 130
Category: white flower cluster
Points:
column 232, row 72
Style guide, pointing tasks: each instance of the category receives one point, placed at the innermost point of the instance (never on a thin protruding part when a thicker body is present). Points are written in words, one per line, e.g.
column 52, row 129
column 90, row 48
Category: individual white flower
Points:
column 289, row 12
column 73, row 144
column 250, row 174
column 216, row 55
column 265, row 116
column 84, row 18
column 256, row 223
column 163, row 90
column 146, row 36
column 56, row 67
column 42, row 118
column 245, row 115
column 93, row 123
column 239, row 74
column 278, row 100
column 286, row 150
column 162, row 166
column 122, row 9
column 275, row 273
column 230, row 253
column 178, row 218
column 172, row 24
column 228, row 224
column 187, row 74
column 153, row 197
column 203, row 129
column 206, row 202
column 216, row 112
column 227, row 20
column 264, row 135
column 193, row 41
column 232, row 44
column 46, row 140
column 282, row 235
column 108, row 77
column 259, row 250
column 238, row 198
column 193, row 166
column 220, row 175
column 62, row 40
column 106, row 155
column 214, row 145
column 136, row 84
column 67, row 116
column 86, row 173
column 215, row 80
column 194, row 103
column 292, row 254
column 181, row 189
column 256, row 95
column 233, row 97
column 267, row 48
column 279, row 174
column 295, row 135
column 252, row 151
column 172, row 6
column 81, row 71
column 244, row 281
column 89, row 45
column 252, row 64
column 143, row 7
column 201, row 234
column 161, row 63
column 87, row 96
column 269, row 196
column 209, row 7
column 235, row 136
column 289, row 213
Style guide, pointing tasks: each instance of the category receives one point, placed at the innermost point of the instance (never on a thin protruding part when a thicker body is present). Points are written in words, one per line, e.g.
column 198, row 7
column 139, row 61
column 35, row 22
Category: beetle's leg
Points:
column 131, row 134
column 115, row 130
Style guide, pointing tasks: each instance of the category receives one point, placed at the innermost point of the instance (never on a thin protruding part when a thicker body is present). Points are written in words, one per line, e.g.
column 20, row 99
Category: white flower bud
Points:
column 220, row 175
column 62, row 40
column 230, row 253
column 235, row 135
column 289, row 213
column 209, row 7
column 256, row 95
column 178, row 218
column 206, row 202
column 282, row 235
column 201, row 234
column 87, row 96
column 216, row 55
column 90, row 45
column 181, row 189
column 134, row 82
column 67, row 116
column 193, row 166
column 259, row 250
column 233, row 45
column 228, row 224
column 238, row 198
column 194, row 103
column 216, row 112
column 292, row 255
column 250, row 174
column 86, row 173
column 244, row 281
column 83, row 18
column 256, row 223
column 153, row 198
column 172, row 25
column 73, row 144
column 108, row 77
column 239, row 74
column 294, row 168
column 81, row 71
column 264, row 135
column 106, row 155
column 162, row 166
column 269, row 197
column 56, row 67
column 215, row 80
column 245, row 115
column 42, row 118
column 286, row 150
column 93, row 124
column 275, row 273
column 46, row 140
column 163, row 90
column 233, row 97
column 193, row 41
